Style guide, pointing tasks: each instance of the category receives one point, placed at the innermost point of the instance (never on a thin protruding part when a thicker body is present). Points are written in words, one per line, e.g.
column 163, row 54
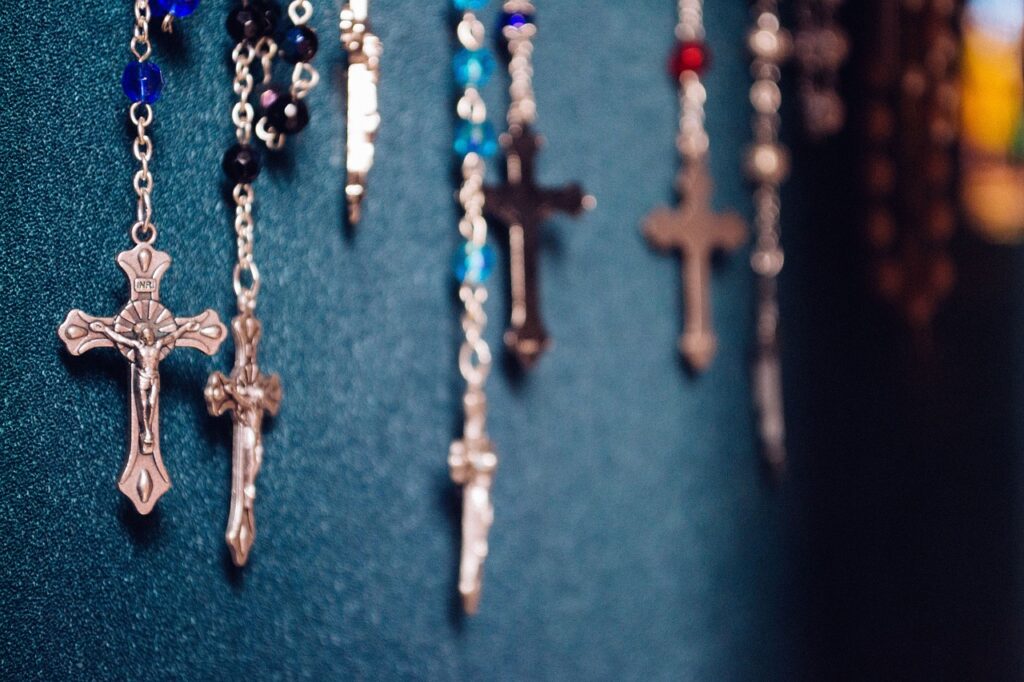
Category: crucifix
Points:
column 523, row 206
column 145, row 332
column 697, row 232
column 472, row 463
column 247, row 394
column 362, row 117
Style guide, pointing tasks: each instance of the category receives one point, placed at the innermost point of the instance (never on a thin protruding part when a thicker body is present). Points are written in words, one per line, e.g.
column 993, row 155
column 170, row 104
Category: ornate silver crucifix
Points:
column 145, row 332
column 697, row 232
column 247, row 394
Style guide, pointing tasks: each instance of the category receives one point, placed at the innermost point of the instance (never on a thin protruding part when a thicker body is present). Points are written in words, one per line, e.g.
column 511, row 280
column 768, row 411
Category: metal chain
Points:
column 691, row 20
column 246, row 276
column 692, row 141
column 304, row 76
column 767, row 161
column 475, row 354
column 522, row 108
column 141, row 114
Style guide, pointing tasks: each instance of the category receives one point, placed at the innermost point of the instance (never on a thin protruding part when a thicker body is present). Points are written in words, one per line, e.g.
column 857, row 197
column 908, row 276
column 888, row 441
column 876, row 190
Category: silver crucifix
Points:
column 145, row 332
column 247, row 394
column 364, row 50
column 472, row 462
column 697, row 232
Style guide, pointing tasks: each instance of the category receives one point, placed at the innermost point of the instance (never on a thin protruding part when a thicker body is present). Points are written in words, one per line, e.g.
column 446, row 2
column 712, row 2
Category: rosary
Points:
column 247, row 393
column 266, row 112
column 143, row 331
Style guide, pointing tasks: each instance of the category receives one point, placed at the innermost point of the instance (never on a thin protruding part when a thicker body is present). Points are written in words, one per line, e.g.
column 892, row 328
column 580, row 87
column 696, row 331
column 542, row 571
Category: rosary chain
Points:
column 692, row 141
column 474, row 355
column 141, row 115
column 767, row 160
column 523, row 104
column 246, row 276
column 304, row 76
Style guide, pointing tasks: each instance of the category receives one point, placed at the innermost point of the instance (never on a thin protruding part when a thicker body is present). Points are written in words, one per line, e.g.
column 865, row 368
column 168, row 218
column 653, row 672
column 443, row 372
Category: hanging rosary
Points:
column 911, row 131
column 248, row 393
column 362, row 118
column 472, row 459
column 144, row 331
column 693, row 228
column 767, row 166
column 520, row 204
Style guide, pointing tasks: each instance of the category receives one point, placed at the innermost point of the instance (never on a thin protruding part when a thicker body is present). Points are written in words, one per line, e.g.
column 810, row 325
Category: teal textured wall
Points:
column 636, row 536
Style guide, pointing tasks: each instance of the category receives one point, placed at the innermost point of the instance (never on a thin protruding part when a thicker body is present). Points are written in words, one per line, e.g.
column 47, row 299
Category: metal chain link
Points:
column 143, row 231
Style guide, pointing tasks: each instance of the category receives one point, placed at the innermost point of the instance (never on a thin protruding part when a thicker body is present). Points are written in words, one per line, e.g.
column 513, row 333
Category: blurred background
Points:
column 637, row 533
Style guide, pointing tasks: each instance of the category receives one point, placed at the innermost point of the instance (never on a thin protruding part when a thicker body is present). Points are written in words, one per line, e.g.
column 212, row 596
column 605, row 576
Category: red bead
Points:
column 688, row 56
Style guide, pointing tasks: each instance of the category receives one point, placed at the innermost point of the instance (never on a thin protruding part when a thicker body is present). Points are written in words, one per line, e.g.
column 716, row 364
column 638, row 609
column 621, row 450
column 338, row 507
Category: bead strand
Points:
column 518, row 27
column 767, row 165
column 471, row 459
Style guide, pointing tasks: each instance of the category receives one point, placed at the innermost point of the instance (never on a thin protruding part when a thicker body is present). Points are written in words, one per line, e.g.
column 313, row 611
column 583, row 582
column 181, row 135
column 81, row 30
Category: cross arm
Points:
column 79, row 337
column 501, row 202
column 271, row 393
column 207, row 337
column 731, row 233
column 661, row 229
column 569, row 199
column 219, row 398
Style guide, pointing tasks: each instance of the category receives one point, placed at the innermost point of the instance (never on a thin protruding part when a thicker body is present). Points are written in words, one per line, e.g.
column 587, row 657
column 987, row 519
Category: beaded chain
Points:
column 687, row 63
column 252, row 25
column 767, row 165
column 280, row 110
column 519, row 29
column 472, row 460
column 475, row 141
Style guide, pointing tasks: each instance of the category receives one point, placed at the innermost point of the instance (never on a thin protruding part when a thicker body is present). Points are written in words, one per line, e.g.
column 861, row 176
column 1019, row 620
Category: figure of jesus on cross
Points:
column 247, row 394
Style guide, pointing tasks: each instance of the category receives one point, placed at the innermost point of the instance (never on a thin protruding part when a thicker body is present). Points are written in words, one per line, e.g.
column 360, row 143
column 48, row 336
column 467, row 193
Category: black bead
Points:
column 288, row 115
column 242, row 164
column 299, row 44
column 252, row 22
column 266, row 95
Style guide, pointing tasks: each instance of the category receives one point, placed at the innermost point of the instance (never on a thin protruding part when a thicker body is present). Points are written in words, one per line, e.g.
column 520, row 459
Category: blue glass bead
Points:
column 473, row 67
column 463, row 5
column 516, row 20
column 478, row 138
column 299, row 44
column 142, row 82
column 174, row 8
column 473, row 264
